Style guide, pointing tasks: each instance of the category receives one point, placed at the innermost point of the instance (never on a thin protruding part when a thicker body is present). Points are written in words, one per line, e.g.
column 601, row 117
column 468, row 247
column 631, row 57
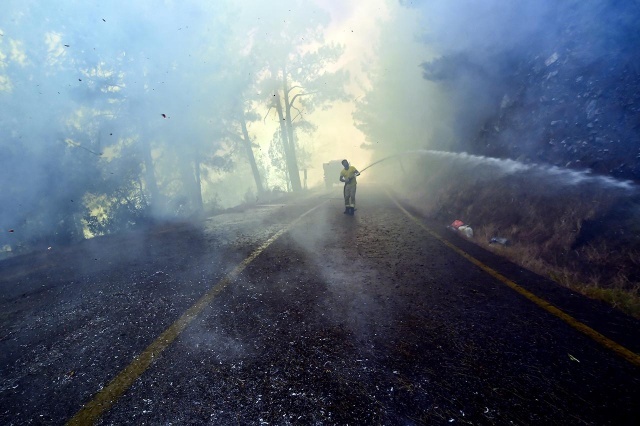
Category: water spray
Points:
column 381, row 160
column 508, row 166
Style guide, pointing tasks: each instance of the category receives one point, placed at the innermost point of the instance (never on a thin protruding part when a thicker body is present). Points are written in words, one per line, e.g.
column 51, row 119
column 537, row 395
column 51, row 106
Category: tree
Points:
column 400, row 110
column 293, row 67
column 53, row 162
column 299, row 84
column 246, row 142
column 89, row 112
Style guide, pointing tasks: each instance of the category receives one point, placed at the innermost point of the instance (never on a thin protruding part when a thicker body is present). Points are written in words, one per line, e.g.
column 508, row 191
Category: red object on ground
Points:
column 457, row 224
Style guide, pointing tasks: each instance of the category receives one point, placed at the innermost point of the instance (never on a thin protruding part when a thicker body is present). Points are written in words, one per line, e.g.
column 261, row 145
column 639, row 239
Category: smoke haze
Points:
column 112, row 113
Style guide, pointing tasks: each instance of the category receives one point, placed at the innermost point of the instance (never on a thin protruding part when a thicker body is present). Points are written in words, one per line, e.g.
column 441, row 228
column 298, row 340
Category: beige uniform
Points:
column 350, row 184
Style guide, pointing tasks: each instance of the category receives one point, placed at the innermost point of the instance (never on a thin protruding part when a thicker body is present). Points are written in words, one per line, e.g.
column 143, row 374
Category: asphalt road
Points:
column 294, row 313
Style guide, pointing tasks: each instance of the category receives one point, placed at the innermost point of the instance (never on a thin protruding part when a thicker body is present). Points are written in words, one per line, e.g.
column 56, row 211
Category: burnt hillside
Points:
column 567, row 96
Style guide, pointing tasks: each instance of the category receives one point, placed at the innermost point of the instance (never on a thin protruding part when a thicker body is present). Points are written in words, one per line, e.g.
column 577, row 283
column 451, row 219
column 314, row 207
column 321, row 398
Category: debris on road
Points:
column 459, row 226
column 466, row 230
column 499, row 240
column 456, row 224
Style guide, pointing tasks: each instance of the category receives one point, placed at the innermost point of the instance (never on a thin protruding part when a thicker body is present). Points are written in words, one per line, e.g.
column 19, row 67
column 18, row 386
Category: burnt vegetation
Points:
column 567, row 95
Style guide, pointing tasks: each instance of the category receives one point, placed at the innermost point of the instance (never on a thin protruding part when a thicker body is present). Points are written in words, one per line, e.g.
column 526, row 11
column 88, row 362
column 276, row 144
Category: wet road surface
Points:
column 339, row 320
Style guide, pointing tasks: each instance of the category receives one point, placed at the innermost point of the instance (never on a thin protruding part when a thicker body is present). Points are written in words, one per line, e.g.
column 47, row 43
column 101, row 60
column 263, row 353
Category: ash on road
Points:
column 342, row 320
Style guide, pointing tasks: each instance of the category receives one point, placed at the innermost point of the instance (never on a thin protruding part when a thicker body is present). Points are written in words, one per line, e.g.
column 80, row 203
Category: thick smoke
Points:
column 114, row 114
column 91, row 94
column 542, row 81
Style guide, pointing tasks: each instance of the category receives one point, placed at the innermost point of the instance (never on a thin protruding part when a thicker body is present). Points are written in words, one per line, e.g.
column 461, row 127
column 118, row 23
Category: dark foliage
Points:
column 570, row 97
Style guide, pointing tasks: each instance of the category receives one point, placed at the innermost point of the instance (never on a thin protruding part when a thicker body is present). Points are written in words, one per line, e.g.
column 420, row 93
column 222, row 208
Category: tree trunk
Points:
column 198, row 183
column 143, row 198
column 290, row 133
column 289, row 150
column 149, row 173
column 190, row 199
column 250, row 156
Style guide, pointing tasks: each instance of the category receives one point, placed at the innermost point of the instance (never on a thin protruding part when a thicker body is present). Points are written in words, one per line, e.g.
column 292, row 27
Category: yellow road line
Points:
column 108, row 395
column 627, row 354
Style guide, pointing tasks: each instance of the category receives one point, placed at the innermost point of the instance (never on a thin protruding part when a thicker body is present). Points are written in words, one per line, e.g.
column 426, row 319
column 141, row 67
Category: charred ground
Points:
column 363, row 319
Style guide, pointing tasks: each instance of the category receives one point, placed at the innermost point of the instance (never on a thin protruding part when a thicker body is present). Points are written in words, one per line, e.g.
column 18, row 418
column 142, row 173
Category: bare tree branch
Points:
column 299, row 113
column 300, row 94
column 267, row 114
column 293, row 87
column 76, row 144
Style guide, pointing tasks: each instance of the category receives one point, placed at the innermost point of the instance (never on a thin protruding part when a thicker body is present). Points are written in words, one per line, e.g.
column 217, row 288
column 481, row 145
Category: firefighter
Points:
column 348, row 176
